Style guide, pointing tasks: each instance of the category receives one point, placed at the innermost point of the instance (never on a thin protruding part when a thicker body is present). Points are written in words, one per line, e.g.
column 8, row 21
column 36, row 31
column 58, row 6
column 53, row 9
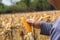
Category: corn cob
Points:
column 26, row 25
column 45, row 17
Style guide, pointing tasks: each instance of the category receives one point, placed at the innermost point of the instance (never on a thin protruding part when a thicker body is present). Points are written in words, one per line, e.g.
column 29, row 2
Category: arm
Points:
column 44, row 26
column 36, row 23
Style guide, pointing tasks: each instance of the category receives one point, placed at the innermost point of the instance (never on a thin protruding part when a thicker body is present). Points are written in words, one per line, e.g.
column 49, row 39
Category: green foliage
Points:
column 4, row 9
column 34, row 4
column 21, row 6
column 26, row 5
column 27, row 2
column 0, row 1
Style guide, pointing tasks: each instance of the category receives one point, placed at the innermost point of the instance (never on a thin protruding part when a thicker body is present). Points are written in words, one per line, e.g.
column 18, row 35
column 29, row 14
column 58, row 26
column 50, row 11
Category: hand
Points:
column 31, row 21
column 36, row 24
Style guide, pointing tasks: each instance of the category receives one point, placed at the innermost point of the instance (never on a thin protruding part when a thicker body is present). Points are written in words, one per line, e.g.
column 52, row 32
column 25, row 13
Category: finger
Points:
column 30, row 21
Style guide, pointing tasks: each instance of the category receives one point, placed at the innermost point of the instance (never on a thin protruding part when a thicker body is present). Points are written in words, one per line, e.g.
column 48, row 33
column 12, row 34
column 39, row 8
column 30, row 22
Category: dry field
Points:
column 17, row 31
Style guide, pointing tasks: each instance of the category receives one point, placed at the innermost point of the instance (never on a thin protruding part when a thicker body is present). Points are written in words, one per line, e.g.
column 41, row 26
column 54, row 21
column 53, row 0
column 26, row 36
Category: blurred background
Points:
column 9, row 6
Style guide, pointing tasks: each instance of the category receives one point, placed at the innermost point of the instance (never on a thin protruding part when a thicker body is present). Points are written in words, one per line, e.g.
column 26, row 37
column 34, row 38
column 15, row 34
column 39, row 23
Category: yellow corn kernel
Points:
column 47, row 16
column 26, row 25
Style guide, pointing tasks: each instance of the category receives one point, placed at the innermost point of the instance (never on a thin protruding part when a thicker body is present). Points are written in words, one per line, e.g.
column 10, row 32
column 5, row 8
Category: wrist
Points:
column 36, row 24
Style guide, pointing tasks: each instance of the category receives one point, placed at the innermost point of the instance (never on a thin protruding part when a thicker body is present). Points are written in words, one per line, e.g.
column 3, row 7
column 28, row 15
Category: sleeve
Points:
column 45, row 28
column 55, row 31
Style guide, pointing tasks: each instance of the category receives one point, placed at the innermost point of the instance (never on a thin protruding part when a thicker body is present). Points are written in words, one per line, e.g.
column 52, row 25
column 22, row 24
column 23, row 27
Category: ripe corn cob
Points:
column 26, row 25
column 45, row 17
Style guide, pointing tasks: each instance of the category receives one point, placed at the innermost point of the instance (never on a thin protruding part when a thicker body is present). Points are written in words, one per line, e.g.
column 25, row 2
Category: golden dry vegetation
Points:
column 11, row 27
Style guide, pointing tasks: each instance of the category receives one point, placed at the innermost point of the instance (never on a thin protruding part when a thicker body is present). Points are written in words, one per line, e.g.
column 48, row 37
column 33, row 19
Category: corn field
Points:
column 11, row 27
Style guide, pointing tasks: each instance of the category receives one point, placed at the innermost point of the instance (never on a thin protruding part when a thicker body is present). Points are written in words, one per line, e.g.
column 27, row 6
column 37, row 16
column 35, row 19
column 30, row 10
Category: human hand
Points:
column 31, row 21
